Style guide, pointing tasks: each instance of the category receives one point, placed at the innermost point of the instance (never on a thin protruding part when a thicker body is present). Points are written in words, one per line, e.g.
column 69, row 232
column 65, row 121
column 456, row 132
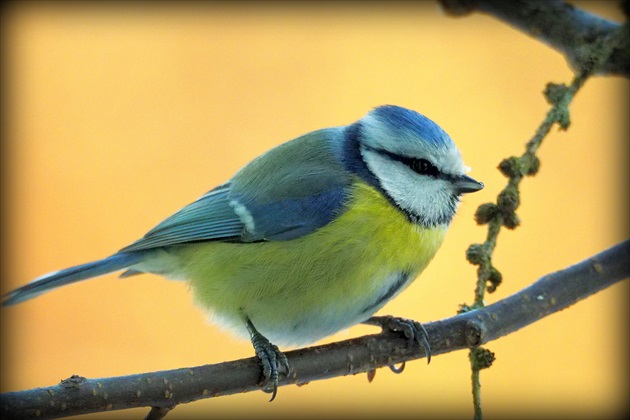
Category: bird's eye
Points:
column 424, row 167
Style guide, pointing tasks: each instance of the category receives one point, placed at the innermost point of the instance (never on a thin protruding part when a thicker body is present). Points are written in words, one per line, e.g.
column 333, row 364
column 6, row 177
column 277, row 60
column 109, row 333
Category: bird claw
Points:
column 397, row 370
column 372, row 373
column 271, row 358
column 413, row 331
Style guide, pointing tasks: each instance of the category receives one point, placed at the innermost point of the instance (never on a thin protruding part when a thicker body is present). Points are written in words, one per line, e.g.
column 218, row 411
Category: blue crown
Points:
column 401, row 120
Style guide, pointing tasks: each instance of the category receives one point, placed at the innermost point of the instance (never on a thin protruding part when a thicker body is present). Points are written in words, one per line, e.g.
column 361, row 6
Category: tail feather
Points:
column 71, row 275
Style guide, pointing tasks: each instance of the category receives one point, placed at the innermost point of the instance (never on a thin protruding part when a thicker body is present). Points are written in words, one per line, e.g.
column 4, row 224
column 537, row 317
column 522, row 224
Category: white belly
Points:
column 322, row 322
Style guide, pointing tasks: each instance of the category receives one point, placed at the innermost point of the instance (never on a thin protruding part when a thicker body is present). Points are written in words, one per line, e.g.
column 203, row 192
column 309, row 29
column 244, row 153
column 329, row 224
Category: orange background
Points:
column 119, row 116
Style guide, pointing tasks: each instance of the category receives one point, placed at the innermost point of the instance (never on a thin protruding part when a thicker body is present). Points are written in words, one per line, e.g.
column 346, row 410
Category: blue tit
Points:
column 308, row 239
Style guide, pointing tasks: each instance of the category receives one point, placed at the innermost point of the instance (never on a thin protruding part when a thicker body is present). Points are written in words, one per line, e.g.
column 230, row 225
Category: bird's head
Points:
column 412, row 161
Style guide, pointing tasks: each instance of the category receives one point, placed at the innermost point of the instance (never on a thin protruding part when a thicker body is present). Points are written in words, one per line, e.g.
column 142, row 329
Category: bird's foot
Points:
column 413, row 331
column 271, row 358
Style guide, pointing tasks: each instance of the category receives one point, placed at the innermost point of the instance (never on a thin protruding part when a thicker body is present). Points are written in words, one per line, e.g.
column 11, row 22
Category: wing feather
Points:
column 209, row 218
column 283, row 194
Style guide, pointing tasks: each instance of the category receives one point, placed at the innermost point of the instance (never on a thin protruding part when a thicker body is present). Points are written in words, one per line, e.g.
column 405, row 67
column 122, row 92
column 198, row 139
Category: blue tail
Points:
column 71, row 275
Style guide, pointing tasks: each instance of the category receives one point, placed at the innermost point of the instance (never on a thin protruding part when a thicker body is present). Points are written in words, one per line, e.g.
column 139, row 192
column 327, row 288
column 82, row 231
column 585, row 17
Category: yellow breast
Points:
column 317, row 284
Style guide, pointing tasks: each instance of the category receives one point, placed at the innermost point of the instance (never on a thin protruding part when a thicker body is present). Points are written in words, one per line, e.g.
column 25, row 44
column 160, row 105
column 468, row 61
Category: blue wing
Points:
column 208, row 218
column 283, row 194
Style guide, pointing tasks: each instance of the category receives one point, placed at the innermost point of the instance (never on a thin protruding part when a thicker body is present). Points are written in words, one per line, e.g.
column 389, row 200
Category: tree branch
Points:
column 577, row 34
column 163, row 390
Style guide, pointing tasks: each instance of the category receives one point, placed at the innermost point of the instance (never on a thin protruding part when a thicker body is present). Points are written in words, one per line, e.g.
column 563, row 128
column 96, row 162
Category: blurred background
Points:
column 117, row 116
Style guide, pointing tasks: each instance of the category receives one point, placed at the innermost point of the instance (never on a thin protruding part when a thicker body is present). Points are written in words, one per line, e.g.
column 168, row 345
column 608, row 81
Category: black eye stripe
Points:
column 420, row 166
column 424, row 167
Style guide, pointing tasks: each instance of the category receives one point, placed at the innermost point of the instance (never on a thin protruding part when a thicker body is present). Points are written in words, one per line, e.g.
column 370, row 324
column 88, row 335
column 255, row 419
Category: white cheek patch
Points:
column 246, row 217
column 428, row 198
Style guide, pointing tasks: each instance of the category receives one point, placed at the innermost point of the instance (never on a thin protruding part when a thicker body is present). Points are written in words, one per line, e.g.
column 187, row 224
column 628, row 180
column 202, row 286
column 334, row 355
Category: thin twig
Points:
column 607, row 42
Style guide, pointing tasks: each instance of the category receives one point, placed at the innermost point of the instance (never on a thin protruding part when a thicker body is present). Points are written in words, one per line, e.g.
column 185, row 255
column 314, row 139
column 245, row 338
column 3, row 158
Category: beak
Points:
column 465, row 184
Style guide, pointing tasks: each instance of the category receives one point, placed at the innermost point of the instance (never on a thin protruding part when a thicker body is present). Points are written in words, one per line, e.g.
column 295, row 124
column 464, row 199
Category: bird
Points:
column 310, row 238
